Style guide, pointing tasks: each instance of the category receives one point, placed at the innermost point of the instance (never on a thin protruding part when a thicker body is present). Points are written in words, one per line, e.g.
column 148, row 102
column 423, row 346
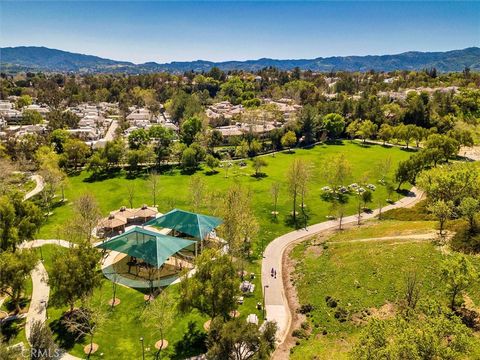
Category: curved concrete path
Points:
column 276, row 303
column 38, row 188
column 41, row 291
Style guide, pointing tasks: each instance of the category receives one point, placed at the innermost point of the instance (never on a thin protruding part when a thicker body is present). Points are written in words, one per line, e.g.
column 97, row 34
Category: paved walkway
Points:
column 109, row 136
column 276, row 304
column 41, row 291
column 38, row 188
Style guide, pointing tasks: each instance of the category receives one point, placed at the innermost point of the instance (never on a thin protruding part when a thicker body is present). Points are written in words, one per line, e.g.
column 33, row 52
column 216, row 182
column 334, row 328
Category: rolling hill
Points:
column 32, row 58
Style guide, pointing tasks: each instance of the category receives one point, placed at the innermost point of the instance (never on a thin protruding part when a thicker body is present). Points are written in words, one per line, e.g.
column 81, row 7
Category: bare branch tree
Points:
column 85, row 322
column 412, row 291
column 87, row 215
column 197, row 192
column 160, row 314
column 131, row 193
column 275, row 191
column 295, row 175
column 154, row 182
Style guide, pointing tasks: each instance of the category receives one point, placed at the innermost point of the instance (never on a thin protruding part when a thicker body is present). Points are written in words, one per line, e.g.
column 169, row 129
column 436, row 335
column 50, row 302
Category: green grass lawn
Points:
column 361, row 275
column 174, row 188
column 119, row 336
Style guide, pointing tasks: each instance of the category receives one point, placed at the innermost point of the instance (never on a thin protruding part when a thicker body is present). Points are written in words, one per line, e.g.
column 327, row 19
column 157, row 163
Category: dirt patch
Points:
column 386, row 311
column 90, row 349
column 470, row 152
column 288, row 265
column 161, row 344
column 314, row 250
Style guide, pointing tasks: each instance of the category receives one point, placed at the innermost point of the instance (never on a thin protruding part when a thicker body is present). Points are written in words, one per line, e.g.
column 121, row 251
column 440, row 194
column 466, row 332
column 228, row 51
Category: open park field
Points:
column 364, row 274
column 111, row 193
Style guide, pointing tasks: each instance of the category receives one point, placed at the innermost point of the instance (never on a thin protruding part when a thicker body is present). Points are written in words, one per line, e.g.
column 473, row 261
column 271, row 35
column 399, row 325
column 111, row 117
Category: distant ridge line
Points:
column 39, row 58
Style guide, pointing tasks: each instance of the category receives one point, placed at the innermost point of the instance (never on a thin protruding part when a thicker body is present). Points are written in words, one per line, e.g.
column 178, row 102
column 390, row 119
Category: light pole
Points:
column 264, row 313
column 143, row 349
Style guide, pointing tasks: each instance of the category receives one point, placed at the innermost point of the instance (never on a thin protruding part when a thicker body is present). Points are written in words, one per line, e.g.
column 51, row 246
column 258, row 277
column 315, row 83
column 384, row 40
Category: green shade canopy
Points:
column 153, row 247
column 196, row 225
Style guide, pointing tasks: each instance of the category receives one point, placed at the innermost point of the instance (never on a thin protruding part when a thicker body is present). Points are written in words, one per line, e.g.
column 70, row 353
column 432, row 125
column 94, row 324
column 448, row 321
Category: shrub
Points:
column 341, row 314
column 465, row 240
column 416, row 213
column 300, row 334
column 306, row 308
column 331, row 302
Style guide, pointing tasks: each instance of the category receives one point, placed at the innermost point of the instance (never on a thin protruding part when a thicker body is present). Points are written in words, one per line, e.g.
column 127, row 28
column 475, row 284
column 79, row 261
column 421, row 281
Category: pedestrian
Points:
column 275, row 274
column 271, row 272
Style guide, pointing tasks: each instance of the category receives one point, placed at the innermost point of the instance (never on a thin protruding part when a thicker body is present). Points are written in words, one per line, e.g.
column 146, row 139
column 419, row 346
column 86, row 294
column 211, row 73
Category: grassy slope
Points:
column 360, row 276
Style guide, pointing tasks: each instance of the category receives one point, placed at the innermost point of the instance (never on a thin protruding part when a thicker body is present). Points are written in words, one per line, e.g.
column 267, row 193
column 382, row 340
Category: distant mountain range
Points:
column 32, row 58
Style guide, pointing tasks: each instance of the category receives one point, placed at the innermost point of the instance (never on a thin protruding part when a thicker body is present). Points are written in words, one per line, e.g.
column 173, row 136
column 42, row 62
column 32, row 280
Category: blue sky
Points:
column 176, row 31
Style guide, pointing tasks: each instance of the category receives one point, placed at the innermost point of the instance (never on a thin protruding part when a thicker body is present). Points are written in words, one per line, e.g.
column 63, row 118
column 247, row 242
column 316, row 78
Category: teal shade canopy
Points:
column 195, row 225
column 153, row 247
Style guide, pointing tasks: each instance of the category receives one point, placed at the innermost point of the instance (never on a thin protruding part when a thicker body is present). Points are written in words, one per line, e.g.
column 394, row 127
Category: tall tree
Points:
column 240, row 340
column 15, row 269
column 258, row 164
column 289, row 140
column 75, row 153
column 459, row 275
column 213, row 287
column 197, row 189
column 334, row 124
column 275, row 192
column 86, row 217
column 74, row 276
column 154, row 184
column 240, row 224
column 442, row 211
column 190, row 128
column 160, row 315
column 469, row 208
column 295, row 180
column 337, row 171
column 86, row 321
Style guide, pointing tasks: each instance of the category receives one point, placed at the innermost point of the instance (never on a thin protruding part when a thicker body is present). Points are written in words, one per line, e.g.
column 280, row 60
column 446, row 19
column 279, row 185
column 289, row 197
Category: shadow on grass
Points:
column 140, row 172
column 104, row 175
column 300, row 221
column 192, row 343
column 10, row 306
column 211, row 172
column 338, row 142
column 259, row 175
column 364, row 145
column 10, row 329
column 410, row 150
column 274, row 219
column 405, row 193
column 64, row 338
column 188, row 171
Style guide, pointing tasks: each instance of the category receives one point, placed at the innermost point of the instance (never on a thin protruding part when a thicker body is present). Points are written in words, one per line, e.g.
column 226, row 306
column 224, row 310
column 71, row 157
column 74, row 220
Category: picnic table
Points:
column 247, row 286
